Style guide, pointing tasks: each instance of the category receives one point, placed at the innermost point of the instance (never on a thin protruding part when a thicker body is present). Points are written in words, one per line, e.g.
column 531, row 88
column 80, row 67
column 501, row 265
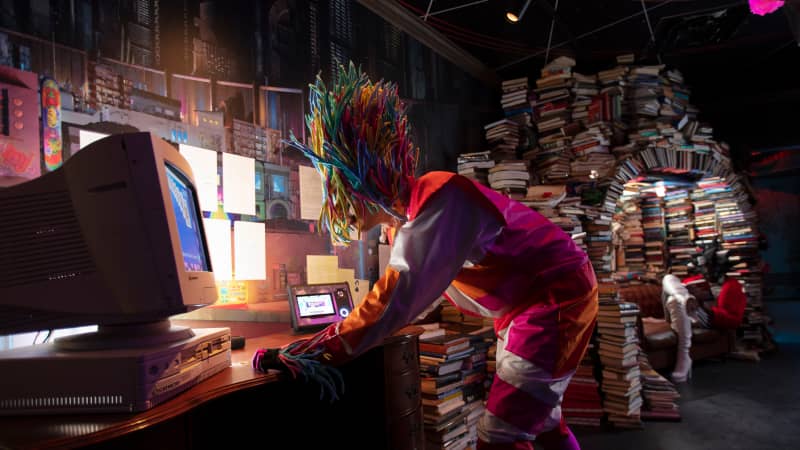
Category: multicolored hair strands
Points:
column 358, row 140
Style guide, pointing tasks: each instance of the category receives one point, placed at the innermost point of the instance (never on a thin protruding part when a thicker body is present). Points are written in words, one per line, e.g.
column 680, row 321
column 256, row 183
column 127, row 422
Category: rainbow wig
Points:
column 359, row 143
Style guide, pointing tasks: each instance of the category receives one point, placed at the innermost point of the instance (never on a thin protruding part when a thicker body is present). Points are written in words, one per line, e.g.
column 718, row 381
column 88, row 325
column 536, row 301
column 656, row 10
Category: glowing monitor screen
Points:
column 312, row 305
column 183, row 204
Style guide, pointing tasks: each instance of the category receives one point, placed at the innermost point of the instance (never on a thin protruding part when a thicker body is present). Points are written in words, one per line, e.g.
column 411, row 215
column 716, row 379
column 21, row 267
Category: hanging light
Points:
column 515, row 15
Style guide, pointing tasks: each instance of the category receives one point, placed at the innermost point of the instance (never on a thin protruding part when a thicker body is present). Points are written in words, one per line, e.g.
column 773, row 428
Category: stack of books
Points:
column 705, row 217
column 654, row 230
column 582, row 404
column 593, row 160
column 597, row 225
column 613, row 192
column 441, row 359
column 474, row 373
column 510, row 176
column 503, row 138
column 475, row 165
column 632, row 258
column 659, row 394
column 612, row 88
column 550, row 159
column 739, row 237
column 642, row 105
column 571, row 218
column 515, row 101
column 453, row 398
column 586, row 104
column 618, row 349
column 553, row 96
column 680, row 230
column 552, row 114
column 544, row 197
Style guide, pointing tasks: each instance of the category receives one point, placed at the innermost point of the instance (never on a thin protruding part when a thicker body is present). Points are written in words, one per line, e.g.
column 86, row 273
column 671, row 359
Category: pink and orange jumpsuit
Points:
column 493, row 257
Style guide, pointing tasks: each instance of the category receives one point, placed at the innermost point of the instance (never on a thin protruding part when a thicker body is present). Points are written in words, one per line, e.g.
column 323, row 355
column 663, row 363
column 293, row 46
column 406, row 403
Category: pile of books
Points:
column 739, row 240
column 680, row 230
column 659, row 394
column 632, row 257
column 593, row 160
column 654, row 229
column 454, row 361
column 612, row 89
column 503, row 138
column 475, row 166
column 618, row 349
column 441, row 359
column 705, row 217
column 553, row 96
column 582, row 404
column 597, row 225
column 515, row 101
column 586, row 103
column 510, row 177
column 552, row 113
column 544, row 197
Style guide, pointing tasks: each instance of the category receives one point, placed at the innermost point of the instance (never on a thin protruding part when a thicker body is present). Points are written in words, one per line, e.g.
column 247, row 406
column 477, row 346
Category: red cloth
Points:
column 729, row 310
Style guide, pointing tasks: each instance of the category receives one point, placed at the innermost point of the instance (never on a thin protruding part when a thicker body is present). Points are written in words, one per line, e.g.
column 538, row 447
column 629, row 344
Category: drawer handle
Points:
column 408, row 356
column 412, row 392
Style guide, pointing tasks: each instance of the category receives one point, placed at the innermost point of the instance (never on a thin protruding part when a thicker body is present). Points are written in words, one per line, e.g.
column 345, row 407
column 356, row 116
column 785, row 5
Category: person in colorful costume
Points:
column 489, row 255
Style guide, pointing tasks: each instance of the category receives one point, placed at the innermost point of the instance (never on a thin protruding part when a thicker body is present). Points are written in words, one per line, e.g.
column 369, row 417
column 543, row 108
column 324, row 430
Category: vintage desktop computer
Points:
column 113, row 238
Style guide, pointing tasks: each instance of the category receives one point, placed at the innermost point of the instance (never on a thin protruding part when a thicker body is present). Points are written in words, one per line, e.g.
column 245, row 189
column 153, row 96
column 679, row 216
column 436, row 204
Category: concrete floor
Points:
column 728, row 404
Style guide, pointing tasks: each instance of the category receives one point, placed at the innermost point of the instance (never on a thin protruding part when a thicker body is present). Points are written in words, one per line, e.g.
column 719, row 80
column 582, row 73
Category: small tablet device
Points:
column 315, row 306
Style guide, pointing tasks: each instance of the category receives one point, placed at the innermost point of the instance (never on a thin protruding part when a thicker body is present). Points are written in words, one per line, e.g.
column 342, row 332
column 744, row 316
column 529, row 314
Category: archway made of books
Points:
column 688, row 221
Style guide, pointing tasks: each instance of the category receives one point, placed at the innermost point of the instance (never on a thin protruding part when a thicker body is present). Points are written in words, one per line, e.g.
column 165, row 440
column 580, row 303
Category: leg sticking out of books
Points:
column 676, row 297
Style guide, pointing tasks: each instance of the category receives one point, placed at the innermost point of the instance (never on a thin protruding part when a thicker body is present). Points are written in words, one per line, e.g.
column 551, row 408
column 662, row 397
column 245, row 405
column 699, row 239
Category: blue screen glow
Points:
column 184, row 207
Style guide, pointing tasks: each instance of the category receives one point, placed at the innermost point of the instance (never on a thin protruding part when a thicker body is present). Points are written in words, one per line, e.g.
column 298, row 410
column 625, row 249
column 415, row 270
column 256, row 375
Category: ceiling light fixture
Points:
column 514, row 16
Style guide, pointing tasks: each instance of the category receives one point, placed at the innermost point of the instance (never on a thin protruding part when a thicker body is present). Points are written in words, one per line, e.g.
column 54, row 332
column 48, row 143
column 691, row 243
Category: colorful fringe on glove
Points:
column 306, row 364
column 359, row 142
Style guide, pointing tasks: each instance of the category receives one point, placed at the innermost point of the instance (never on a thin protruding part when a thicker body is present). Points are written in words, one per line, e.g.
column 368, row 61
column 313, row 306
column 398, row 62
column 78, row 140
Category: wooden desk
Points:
column 380, row 407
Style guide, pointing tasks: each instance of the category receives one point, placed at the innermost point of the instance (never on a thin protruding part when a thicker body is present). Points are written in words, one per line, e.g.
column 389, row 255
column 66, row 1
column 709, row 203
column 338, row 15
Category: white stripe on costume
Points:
column 527, row 377
column 466, row 303
column 497, row 431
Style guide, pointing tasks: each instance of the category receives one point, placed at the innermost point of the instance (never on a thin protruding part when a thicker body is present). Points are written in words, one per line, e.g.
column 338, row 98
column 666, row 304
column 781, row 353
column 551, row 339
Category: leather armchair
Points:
column 659, row 341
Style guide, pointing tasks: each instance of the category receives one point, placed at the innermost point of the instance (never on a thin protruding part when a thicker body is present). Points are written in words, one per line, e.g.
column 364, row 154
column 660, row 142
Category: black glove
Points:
column 267, row 358
column 329, row 379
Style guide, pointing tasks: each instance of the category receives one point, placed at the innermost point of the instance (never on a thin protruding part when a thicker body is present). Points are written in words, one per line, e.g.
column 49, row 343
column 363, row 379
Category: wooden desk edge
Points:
column 239, row 376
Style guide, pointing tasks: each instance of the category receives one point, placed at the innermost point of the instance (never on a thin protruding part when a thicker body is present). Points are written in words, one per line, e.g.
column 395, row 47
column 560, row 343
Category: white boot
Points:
column 675, row 304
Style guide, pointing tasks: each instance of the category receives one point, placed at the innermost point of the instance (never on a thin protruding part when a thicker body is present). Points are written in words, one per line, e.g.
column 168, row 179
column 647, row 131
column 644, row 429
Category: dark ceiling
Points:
column 595, row 31
column 742, row 67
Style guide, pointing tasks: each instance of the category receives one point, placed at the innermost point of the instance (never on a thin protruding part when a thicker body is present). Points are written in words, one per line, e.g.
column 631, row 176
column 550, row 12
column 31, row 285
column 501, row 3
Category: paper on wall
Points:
column 218, row 238
column 322, row 269
column 310, row 193
column 238, row 184
column 204, row 167
column 250, row 262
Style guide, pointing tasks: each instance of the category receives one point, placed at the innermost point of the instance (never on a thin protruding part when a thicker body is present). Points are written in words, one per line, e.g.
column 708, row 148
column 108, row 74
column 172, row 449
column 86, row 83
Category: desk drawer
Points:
column 403, row 394
column 401, row 356
column 406, row 432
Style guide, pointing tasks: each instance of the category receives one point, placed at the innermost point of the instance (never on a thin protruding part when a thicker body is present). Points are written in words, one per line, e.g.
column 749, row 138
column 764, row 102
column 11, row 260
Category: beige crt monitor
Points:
column 113, row 238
